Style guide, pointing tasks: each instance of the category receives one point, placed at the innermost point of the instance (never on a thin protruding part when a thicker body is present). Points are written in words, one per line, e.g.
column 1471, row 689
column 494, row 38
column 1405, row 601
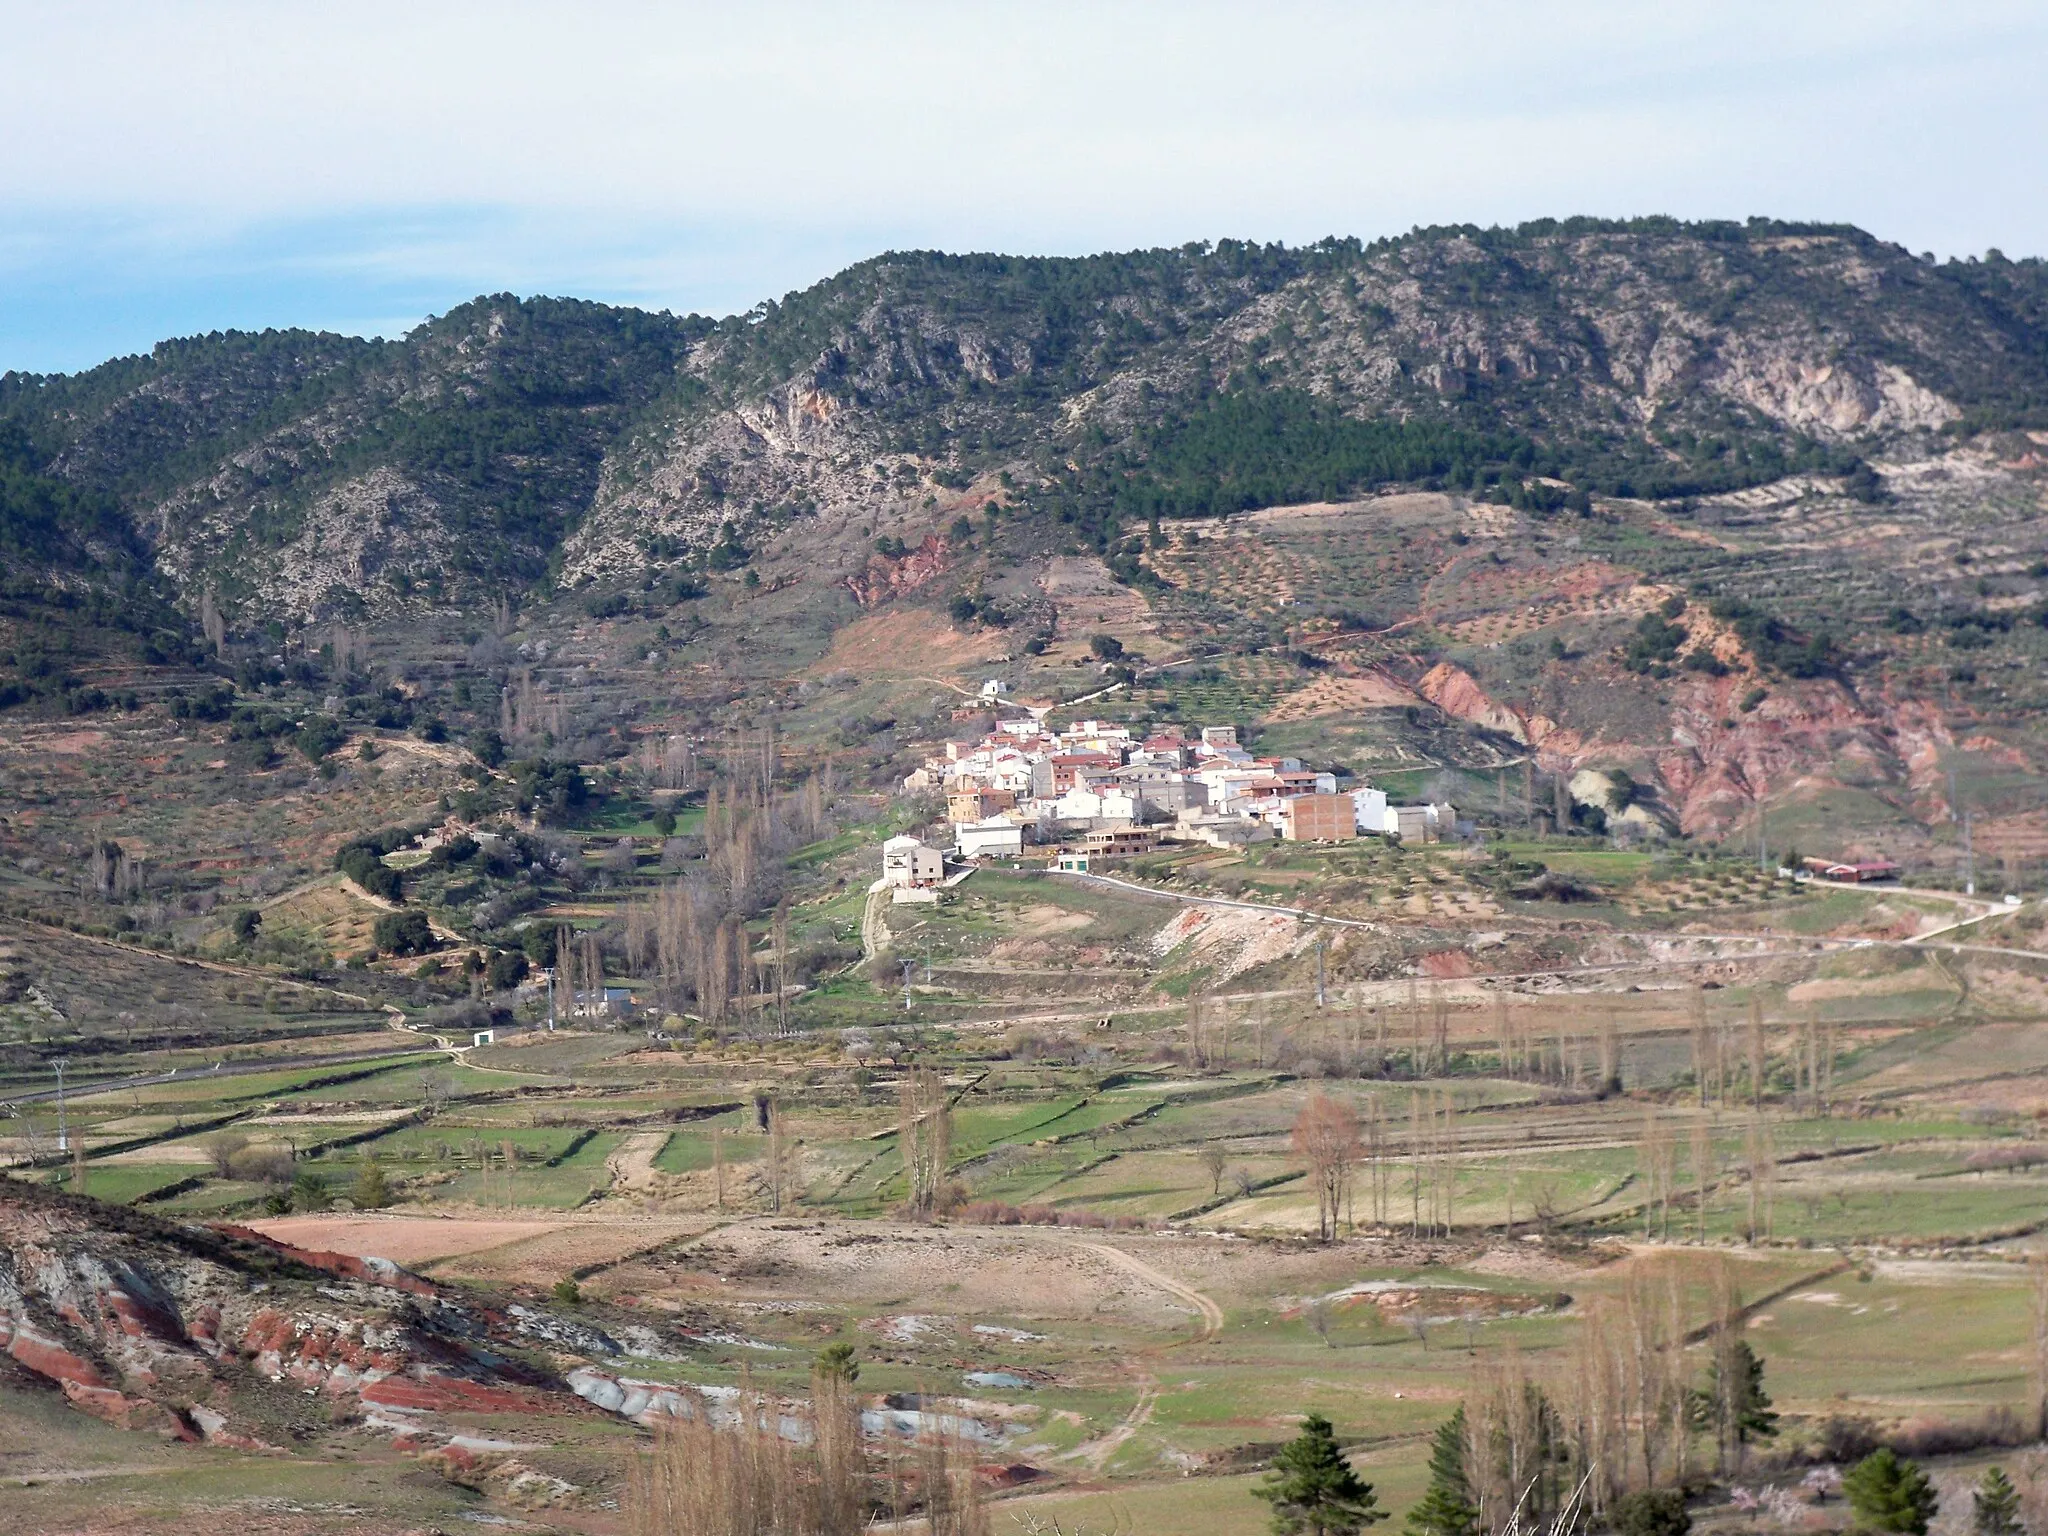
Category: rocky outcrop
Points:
column 1457, row 693
column 183, row 1331
column 885, row 578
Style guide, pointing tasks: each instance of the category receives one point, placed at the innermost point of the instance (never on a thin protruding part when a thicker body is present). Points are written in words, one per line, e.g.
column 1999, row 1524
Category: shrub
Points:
column 1652, row 1512
column 320, row 735
column 403, row 933
column 222, row 1148
column 487, row 746
column 997, row 1213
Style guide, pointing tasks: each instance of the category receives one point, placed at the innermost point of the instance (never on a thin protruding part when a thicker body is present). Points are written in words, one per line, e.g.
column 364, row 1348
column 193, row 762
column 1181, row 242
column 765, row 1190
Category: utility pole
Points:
column 548, row 972
column 1320, row 994
column 63, row 1131
column 1955, row 809
column 909, row 968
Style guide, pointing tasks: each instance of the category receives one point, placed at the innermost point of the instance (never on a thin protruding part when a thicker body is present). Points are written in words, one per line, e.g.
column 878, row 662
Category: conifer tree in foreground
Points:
column 1889, row 1494
column 1446, row 1509
column 1313, row 1490
column 1995, row 1505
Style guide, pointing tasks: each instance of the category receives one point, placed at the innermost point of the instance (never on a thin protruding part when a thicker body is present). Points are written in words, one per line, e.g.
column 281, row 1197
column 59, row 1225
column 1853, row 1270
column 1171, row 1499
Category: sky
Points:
column 171, row 168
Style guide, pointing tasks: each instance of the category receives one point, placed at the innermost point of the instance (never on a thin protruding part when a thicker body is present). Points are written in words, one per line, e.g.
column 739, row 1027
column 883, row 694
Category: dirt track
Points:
column 1097, row 1453
column 632, row 1166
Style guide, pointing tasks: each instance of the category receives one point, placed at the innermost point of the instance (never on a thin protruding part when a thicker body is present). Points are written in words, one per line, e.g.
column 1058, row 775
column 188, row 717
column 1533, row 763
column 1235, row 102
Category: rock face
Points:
column 200, row 1334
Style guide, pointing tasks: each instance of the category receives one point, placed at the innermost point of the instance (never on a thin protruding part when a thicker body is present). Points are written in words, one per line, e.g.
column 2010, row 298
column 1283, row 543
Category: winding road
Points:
column 1097, row 1453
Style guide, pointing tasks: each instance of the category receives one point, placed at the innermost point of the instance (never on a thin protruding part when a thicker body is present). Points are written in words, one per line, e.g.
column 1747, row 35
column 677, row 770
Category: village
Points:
column 1097, row 790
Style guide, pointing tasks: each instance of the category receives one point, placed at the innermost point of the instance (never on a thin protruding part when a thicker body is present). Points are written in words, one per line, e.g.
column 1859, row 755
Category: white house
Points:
column 908, row 863
column 1421, row 823
column 1371, row 805
column 994, row 838
column 1103, row 802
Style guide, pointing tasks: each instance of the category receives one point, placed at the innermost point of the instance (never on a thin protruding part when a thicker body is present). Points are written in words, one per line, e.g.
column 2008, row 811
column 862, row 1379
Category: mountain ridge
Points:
column 514, row 441
column 1730, row 508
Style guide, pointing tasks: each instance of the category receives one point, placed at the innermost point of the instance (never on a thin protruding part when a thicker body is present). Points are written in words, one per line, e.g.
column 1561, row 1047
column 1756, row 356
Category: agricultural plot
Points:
column 1114, row 1268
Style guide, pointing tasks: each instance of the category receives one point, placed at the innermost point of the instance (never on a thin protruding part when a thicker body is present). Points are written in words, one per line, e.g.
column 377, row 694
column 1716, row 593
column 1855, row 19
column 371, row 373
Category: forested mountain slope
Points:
column 308, row 476
column 1736, row 508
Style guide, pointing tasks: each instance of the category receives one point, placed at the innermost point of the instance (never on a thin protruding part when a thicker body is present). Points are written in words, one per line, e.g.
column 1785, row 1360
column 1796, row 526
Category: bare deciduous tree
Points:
column 1659, row 1161
column 2037, row 1273
column 221, row 1149
column 924, row 1127
column 1326, row 1138
column 778, row 1157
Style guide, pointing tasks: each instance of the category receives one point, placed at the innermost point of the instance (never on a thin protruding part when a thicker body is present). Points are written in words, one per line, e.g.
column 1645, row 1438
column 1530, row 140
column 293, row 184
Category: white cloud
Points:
column 1064, row 116
column 678, row 151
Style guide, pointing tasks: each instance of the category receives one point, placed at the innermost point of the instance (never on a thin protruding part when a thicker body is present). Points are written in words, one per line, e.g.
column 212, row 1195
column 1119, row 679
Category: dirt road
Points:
column 1211, row 1314
column 874, row 927
column 1098, row 1452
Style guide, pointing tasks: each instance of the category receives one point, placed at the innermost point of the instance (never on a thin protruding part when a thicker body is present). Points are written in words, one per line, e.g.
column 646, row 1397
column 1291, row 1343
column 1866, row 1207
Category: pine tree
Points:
column 839, row 1362
column 1744, row 1415
column 1889, row 1494
column 1313, row 1490
column 1446, row 1509
column 1995, row 1505
column 371, row 1191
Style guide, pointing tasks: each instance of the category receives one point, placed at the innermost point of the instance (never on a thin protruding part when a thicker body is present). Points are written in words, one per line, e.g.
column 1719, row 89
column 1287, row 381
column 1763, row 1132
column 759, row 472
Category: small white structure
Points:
column 992, row 689
column 485, row 1037
column 1421, row 823
column 1220, row 831
column 909, row 864
column 1082, row 803
column 1371, row 805
column 994, row 838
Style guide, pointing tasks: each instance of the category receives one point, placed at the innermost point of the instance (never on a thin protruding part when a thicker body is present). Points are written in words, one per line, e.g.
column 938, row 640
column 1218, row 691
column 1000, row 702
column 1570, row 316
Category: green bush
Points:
column 1652, row 1512
column 1889, row 1494
column 320, row 735
column 403, row 933
column 371, row 1190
